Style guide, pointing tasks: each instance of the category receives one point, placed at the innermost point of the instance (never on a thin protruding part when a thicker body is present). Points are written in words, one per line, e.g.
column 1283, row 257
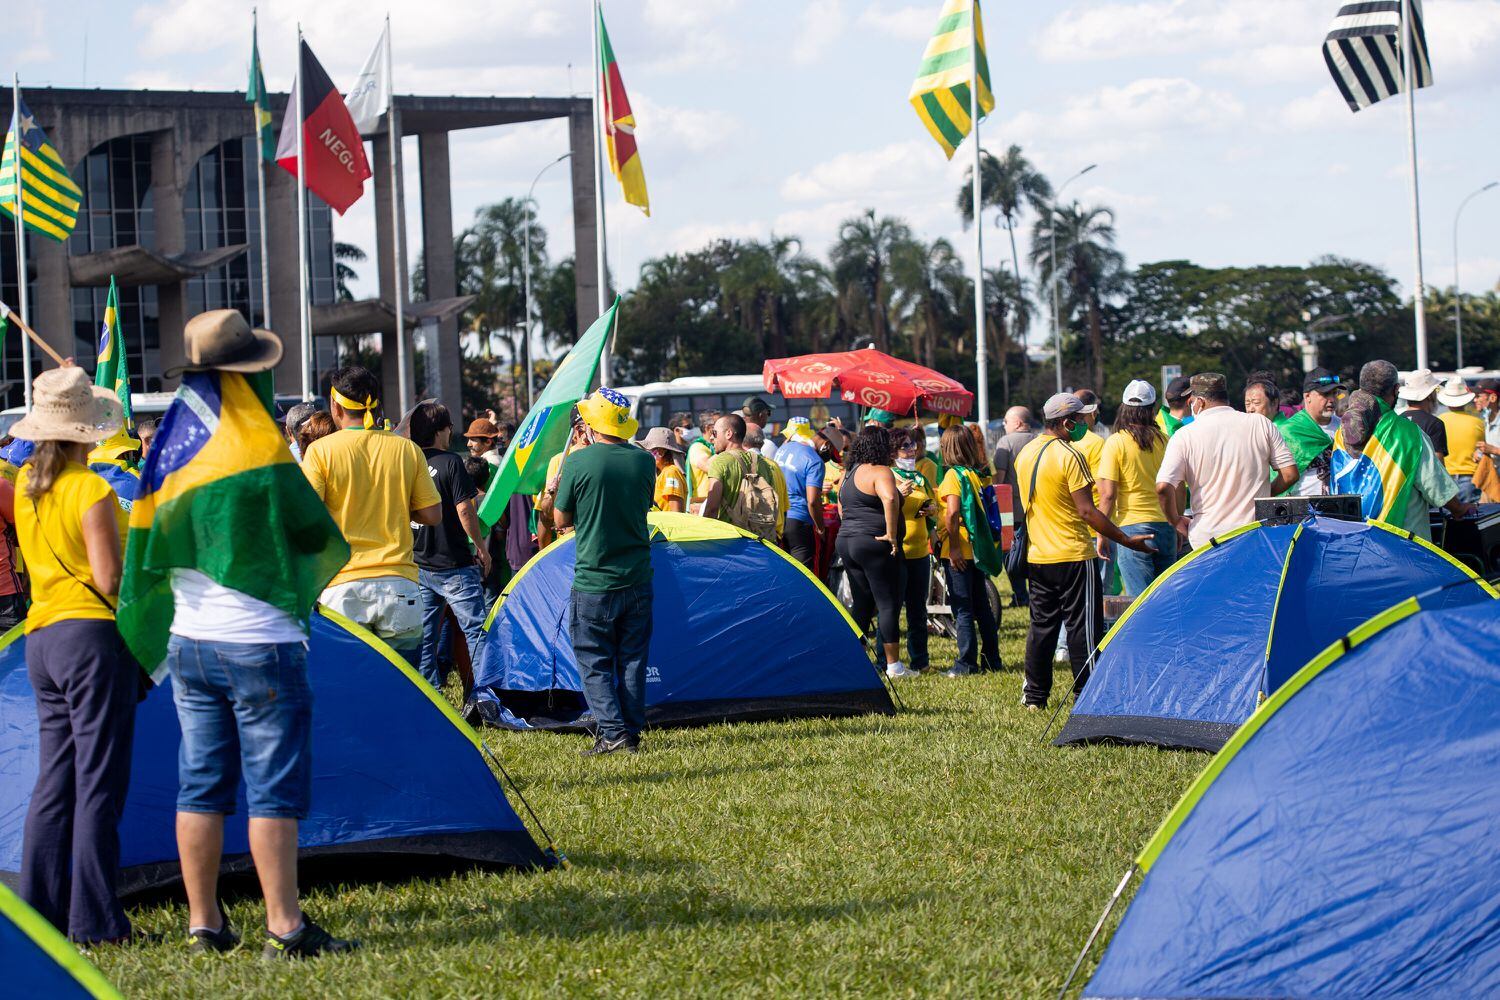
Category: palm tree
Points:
column 489, row 260
column 861, row 261
column 930, row 284
column 759, row 288
column 343, row 274
column 1087, row 263
column 1008, row 313
column 1011, row 184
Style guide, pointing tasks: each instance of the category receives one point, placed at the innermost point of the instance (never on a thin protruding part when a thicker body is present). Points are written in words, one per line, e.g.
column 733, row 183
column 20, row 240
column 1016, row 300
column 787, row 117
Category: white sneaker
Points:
column 1061, row 656
column 958, row 670
column 899, row 669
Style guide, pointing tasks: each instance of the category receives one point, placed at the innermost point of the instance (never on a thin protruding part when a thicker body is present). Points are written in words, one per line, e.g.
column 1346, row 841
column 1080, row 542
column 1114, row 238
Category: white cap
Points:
column 1139, row 393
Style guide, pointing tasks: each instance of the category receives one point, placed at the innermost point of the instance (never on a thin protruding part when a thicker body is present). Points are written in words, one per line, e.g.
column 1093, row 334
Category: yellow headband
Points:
column 348, row 404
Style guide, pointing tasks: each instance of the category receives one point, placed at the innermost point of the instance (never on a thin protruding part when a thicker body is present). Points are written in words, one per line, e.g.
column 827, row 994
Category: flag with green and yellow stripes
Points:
column 31, row 166
column 941, row 91
column 255, row 93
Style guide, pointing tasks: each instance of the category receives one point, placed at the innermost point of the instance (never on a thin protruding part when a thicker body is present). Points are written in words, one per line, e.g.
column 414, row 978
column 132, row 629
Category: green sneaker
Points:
column 309, row 941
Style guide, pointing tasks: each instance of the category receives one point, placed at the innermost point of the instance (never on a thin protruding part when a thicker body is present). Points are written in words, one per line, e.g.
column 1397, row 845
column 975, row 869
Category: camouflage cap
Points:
column 1209, row 384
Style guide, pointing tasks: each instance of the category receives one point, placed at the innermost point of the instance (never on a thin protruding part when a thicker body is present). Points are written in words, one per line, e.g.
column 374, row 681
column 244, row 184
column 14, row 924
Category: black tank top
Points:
column 863, row 513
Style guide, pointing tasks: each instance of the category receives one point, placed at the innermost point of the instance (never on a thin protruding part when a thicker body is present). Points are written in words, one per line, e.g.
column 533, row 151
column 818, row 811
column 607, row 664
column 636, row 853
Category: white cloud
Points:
column 915, row 22
column 821, row 25
column 1104, row 30
column 900, row 167
column 1116, row 122
column 1266, row 64
column 694, row 130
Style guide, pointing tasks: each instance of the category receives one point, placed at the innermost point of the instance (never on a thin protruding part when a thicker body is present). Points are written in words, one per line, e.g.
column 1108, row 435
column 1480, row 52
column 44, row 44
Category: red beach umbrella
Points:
column 869, row 378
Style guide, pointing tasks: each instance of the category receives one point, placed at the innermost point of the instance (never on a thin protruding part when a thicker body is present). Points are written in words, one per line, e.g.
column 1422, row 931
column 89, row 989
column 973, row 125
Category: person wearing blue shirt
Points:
column 804, row 472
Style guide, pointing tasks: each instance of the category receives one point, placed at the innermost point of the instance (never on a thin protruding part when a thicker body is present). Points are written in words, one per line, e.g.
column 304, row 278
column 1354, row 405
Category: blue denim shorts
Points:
column 243, row 707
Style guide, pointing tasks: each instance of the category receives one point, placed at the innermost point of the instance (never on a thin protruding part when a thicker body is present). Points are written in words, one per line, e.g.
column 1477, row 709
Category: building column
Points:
column 286, row 290
column 52, row 302
column 585, row 229
column 438, row 264
column 389, row 266
column 171, row 237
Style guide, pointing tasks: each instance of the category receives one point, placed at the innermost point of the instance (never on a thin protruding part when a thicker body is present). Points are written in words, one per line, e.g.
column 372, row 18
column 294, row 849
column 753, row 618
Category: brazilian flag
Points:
column 255, row 93
column 111, row 370
column 221, row 494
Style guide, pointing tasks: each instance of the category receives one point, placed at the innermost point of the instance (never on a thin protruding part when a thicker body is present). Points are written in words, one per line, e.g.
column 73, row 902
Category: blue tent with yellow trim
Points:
column 37, row 961
column 1225, row 627
column 1343, row 843
column 400, row 784
column 740, row 631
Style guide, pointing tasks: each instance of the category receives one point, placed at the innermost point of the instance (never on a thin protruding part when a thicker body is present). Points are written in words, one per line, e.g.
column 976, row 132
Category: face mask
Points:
column 1077, row 433
column 909, row 464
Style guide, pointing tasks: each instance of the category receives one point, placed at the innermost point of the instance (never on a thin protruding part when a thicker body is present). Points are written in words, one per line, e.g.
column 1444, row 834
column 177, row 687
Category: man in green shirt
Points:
column 606, row 489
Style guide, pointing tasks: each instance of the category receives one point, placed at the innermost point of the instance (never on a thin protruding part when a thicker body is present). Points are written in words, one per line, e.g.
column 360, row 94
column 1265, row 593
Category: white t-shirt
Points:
column 210, row 612
column 1311, row 484
column 1227, row 459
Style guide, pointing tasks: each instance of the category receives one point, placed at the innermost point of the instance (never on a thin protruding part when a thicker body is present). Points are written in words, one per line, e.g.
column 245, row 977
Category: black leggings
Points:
column 876, row 581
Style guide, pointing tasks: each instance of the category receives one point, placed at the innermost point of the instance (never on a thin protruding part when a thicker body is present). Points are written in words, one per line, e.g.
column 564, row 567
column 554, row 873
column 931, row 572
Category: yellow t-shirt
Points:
column 950, row 487
column 371, row 481
column 928, row 468
column 55, row 525
column 671, row 484
column 915, row 544
column 1054, row 531
column 1135, row 471
column 1465, row 432
column 698, row 455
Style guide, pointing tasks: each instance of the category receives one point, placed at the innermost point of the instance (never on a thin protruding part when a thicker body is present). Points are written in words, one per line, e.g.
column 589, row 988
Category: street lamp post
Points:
column 1052, row 235
column 526, row 273
column 1458, row 298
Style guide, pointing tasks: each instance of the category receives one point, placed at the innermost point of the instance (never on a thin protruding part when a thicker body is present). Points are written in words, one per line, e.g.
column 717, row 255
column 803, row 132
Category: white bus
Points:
column 654, row 404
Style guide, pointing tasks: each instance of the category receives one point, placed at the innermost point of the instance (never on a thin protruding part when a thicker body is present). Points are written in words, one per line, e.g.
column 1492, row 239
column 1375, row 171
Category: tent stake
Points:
column 1094, row 934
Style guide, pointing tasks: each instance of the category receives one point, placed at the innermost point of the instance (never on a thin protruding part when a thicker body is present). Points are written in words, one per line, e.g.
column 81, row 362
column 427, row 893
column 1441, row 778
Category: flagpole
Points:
column 981, row 349
column 260, row 175
column 602, row 261
column 1408, row 70
column 21, row 241
column 398, row 244
column 305, row 312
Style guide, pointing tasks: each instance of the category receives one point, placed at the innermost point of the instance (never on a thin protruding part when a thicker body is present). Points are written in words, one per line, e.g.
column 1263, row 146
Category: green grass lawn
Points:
column 943, row 851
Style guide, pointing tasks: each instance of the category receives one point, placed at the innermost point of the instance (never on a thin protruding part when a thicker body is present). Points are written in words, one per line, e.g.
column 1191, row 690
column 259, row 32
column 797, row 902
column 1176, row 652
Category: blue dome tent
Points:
column 39, row 962
column 1225, row 627
column 400, row 783
column 1343, row 842
column 741, row 631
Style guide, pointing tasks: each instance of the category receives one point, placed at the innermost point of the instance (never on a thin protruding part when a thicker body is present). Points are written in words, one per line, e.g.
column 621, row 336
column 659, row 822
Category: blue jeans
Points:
column 242, row 707
column 1467, row 491
column 1138, row 569
column 611, row 640
column 462, row 590
column 970, row 600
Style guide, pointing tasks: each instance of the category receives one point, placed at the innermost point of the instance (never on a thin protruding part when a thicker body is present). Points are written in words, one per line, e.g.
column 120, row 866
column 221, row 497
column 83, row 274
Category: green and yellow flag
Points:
column 255, row 93
column 1395, row 448
column 32, row 167
column 941, row 91
column 111, row 371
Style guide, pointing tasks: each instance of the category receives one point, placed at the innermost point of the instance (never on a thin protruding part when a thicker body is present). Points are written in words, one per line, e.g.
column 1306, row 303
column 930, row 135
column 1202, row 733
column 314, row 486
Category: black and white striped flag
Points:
column 1363, row 51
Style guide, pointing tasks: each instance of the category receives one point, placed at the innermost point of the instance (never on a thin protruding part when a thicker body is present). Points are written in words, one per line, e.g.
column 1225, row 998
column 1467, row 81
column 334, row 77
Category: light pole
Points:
column 1052, row 235
column 526, row 272
column 1458, row 297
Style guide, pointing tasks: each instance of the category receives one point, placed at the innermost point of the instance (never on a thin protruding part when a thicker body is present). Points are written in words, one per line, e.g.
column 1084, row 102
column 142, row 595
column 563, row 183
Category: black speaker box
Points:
column 1290, row 510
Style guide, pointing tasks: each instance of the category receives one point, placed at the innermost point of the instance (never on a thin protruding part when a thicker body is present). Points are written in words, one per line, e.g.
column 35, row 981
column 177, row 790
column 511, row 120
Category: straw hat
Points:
column 1455, row 394
column 66, row 406
column 1418, row 386
column 222, row 339
column 660, row 437
column 608, row 412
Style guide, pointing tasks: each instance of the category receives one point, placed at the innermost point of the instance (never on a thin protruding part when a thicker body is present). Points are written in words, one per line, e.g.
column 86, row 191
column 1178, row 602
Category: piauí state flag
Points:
column 221, row 494
column 619, row 126
column 941, row 91
column 111, row 371
column 544, row 432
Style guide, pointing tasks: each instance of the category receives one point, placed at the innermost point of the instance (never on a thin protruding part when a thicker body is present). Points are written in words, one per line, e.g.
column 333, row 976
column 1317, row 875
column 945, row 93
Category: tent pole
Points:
column 1094, row 934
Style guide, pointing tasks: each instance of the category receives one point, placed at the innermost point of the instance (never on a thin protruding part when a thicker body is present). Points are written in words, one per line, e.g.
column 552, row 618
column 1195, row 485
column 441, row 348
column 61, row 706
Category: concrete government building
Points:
column 171, row 210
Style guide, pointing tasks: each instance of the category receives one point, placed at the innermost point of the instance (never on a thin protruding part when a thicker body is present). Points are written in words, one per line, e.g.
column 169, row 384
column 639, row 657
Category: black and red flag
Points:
column 331, row 146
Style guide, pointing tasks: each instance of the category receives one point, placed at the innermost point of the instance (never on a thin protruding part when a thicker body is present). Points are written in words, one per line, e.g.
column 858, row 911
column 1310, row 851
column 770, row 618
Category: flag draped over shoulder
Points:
column 255, row 94
column 1363, row 51
column 112, row 371
column 981, row 539
column 221, row 494
column 1305, row 437
column 1395, row 449
column 331, row 146
column 544, row 432
column 619, row 126
column 30, row 164
column 941, row 91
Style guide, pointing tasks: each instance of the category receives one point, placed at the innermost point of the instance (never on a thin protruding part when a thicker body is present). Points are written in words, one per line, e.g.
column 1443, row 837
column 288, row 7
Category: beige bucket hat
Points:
column 66, row 406
column 222, row 339
column 1418, row 386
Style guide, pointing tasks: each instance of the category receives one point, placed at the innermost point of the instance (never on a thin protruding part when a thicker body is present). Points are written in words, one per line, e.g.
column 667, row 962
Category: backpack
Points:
column 754, row 507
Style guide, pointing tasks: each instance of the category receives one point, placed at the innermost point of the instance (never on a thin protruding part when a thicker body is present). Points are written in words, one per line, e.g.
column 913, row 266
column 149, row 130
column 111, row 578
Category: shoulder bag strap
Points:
column 1035, row 469
column 77, row 579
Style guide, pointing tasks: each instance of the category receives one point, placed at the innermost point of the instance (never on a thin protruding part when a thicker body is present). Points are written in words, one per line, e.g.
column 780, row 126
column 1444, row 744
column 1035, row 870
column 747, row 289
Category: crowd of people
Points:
column 1093, row 508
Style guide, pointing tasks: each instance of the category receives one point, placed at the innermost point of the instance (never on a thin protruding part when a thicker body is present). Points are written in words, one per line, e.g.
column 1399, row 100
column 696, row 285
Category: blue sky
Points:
column 1217, row 133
